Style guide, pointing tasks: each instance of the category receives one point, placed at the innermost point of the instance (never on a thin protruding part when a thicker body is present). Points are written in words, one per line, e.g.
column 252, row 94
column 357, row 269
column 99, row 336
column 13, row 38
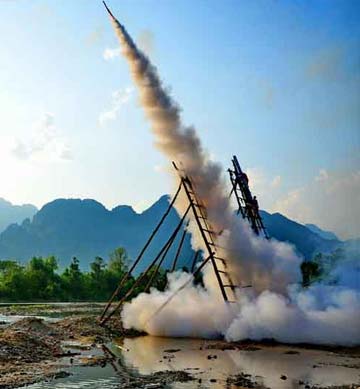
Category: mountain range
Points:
column 85, row 229
column 10, row 213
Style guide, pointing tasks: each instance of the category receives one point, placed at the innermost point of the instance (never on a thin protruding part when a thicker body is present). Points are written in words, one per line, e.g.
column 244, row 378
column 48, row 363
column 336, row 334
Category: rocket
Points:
column 107, row 9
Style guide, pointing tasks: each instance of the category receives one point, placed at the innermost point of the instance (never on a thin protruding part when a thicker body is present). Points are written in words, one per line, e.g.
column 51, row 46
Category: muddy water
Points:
column 274, row 367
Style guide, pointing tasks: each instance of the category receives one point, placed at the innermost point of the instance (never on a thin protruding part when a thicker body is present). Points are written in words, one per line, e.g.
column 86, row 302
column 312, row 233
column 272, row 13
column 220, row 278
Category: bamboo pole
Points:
column 165, row 252
column 194, row 260
column 126, row 275
column 142, row 276
column 179, row 248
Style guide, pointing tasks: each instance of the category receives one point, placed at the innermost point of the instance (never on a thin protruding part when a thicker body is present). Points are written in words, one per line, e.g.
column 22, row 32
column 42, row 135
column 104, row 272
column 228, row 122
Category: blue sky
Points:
column 275, row 82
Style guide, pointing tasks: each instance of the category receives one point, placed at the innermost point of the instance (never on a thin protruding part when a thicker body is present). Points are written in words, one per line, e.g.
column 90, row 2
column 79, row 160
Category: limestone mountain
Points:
column 85, row 229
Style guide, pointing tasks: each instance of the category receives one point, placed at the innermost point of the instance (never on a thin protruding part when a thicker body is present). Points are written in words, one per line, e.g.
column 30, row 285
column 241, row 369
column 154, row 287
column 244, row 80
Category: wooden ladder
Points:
column 209, row 237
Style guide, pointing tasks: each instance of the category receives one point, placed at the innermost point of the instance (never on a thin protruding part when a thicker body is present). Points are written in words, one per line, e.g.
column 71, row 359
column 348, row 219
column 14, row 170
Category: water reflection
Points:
column 274, row 367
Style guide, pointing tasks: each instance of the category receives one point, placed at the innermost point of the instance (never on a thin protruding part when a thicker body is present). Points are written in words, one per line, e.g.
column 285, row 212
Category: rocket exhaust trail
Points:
column 107, row 9
column 251, row 261
column 321, row 314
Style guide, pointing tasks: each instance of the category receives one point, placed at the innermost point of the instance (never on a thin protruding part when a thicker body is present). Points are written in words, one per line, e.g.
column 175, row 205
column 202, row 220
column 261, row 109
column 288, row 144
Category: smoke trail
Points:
column 181, row 144
column 269, row 266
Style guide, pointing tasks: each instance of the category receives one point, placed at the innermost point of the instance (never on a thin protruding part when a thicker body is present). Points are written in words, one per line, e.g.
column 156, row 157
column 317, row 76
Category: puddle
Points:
column 266, row 365
column 9, row 319
column 273, row 367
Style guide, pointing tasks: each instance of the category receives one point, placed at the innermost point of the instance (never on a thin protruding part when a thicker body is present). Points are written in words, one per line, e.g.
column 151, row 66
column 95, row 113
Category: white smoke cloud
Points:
column 44, row 142
column 270, row 309
column 304, row 318
column 198, row 306
column 119, row 99
column 318, row 315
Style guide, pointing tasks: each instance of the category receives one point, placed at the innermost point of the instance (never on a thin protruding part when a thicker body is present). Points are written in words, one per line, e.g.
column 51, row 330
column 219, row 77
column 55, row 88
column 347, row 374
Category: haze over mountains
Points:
column 324, row 234
column 10, row 213
column 85, row 229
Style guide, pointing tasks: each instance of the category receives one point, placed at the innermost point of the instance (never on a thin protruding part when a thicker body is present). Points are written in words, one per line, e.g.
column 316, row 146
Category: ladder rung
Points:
column 221, row 259
column 209, row 231
column 232, row 302
column 221, row 247
column 221, row 271
column 215, row 245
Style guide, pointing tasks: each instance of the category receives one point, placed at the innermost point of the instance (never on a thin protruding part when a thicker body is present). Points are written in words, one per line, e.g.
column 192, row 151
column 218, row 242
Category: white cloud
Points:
column 276, row 182
column 331, row 200
column 110, row 54
column 118, row 100
column 44, row 142
column 323, row 175
column 265, row 187
column 257, row 178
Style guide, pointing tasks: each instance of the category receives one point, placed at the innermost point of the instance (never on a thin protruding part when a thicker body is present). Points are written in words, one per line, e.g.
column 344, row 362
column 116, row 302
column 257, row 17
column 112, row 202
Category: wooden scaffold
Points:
column 198, row 212
column 248, row 205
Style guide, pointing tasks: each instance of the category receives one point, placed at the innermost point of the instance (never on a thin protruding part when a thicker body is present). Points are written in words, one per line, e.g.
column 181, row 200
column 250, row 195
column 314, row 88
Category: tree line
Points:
column 40, row 279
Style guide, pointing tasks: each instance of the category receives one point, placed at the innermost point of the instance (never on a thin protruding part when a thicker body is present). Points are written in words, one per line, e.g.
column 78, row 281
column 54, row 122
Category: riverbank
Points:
column 42, row 350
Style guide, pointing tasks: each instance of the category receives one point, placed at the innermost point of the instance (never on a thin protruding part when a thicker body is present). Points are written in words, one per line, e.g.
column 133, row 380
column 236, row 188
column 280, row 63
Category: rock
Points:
column 61, row 374
column 212, row 356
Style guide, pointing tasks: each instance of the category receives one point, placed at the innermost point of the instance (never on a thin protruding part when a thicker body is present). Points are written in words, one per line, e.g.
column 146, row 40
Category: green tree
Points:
column 73, row 282
column 311, row 271
column 119, row 261
column 118, row 267
column 13, row 282
column 44, row 283
column 97, row 280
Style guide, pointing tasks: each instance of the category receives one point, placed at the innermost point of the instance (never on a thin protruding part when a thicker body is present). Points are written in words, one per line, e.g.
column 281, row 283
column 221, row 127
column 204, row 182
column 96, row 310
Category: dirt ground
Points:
column 32, row 350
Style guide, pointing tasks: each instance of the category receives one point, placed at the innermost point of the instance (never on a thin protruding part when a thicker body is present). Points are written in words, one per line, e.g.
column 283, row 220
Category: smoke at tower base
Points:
column 275, row 307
